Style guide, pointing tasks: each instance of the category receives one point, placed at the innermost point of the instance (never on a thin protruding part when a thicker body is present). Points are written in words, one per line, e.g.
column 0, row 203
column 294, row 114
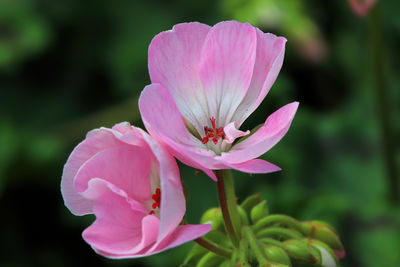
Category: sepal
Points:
column 259, row 211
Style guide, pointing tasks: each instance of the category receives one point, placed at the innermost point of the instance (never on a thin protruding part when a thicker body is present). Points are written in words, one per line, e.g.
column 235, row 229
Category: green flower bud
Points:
column 259, row 211
column 213, row 216
column 323, row 232
column 302, row 253
column 328, row 256
column 243, row 216
column 194, row 255
column 218, row 237
column 276, row 254
column 250, row 202
column 210, row 260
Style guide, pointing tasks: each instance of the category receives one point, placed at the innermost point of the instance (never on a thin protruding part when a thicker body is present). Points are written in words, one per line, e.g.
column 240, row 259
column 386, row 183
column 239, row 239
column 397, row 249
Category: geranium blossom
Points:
column 132, row 185
column 205, row 82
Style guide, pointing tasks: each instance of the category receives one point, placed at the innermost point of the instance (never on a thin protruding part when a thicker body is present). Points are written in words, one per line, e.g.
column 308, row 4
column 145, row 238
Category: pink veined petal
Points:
column 173, row 62
column 119, row 229
column 275, row 127
column 97, row 187
column 164, row 122
column 173, row 203
column 255, row 166
column 121, row 166
column 96, row 141
column 269, row 60
column 231, row 132
column 226, row 67
column 181, row 235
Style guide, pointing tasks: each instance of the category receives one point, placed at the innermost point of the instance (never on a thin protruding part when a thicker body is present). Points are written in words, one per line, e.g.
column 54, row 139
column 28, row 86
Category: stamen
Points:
column 157, row 200
column 214, row 134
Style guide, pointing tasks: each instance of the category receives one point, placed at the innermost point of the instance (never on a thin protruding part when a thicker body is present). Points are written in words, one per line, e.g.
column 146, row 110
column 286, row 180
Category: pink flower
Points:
column 362, row 7
column 212, row 79
column 132, row 185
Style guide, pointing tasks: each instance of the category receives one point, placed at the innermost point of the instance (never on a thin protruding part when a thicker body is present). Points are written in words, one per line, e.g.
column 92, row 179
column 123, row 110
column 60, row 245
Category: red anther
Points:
column 157, row 200
column 214, row 134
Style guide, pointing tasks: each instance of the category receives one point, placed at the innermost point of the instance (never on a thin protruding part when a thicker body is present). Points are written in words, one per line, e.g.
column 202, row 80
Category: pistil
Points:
column 213, row 133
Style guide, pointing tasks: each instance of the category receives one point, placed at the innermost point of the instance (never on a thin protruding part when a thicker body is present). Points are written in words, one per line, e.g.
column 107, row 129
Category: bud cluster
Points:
column 268, row 240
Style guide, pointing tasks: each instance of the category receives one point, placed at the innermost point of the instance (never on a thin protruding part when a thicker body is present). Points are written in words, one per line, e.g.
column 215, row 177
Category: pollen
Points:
column 213, row 133
column 157, row 200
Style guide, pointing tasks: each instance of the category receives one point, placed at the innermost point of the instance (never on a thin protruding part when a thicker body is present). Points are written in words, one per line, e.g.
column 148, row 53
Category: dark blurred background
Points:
column 69, row 66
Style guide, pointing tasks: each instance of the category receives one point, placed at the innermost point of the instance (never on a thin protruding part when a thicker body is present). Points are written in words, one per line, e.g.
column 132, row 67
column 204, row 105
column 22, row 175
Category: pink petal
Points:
column 181, row 235
column 164, row 122
column 275, row 127
column 173, row 62
column 231, row 132
column 98, row 187
column 122, row 167
column 226, row 67
column 269, row 59
column 119, row 229
column 173, row 202
column 95, row 142
column 256, row 166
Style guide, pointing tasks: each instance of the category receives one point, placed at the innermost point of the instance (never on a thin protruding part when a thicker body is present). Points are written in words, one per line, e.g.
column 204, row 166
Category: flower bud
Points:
column 301, row 253
column 212, row 216
column 210, row 260
column 243, row 216
column 197, row 252
column 323, row 232
column 250, row 202
column 194, row 255
column 328, row 256
column 276, row 254
column 218, row 237
column 259, row 211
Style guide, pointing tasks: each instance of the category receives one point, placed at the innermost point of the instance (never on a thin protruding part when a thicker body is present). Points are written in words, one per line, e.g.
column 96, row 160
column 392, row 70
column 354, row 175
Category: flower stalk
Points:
column 382, row 93
column 214, row 247
column 254, row 245
column 227, row 200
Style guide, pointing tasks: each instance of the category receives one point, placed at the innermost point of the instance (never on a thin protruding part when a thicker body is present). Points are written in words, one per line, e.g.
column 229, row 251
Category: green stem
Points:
column 227, row 201
column 214, row 247
column 284, row 219
column 271, row 241
column 243, row 253
column 255, row 247
column 232, row 205
column 278, row 231
column 383, row 99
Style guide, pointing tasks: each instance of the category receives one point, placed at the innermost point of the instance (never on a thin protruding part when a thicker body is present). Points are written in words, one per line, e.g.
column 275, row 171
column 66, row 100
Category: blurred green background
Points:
column 69, row 66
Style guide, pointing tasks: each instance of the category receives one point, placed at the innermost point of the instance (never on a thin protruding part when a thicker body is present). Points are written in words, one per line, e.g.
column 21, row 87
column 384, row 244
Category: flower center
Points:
column 157, row 200
column 214, row 134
